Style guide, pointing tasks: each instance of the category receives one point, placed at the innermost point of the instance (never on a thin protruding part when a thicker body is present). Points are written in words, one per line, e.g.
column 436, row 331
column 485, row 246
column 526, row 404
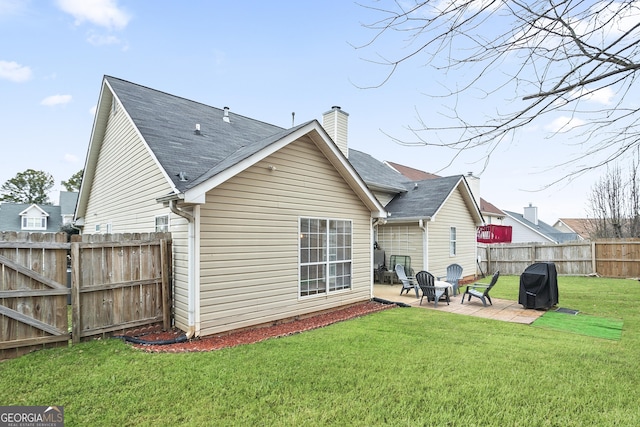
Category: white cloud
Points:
column 54, row 100
column 10, row 7
column 100, row 40
column 93, row 110
column 601, row 96
column 104, row 13
column 14, row 72
column 70, row 158
column 564, row 124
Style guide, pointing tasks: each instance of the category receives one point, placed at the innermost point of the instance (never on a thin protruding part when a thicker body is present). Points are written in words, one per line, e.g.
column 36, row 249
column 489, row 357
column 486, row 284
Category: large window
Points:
column 452, row 241
column 325, row 255
column 34, row 223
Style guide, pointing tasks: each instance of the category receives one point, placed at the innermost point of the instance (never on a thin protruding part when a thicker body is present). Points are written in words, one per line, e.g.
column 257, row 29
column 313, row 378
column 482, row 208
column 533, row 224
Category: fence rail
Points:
column 117, row 282
column 607, row 258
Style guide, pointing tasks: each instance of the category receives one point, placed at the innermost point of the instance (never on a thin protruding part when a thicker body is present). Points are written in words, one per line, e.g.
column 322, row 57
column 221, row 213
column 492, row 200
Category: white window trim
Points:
column 327, row 263
column 24, row 222
column 168, row 225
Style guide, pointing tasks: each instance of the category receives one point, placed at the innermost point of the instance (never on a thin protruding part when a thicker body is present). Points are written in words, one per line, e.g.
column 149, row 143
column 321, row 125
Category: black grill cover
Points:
column 539, row 286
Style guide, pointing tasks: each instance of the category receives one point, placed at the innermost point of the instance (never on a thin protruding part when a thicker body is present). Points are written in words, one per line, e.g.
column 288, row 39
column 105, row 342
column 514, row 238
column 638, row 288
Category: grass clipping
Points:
column 582, row 324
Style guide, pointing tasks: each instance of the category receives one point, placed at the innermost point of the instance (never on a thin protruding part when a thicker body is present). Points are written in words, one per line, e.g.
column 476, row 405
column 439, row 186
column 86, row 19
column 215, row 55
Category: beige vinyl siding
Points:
column 250, row 237
column 454, row 213
column 407, row 239
column 179, row 233
column 126, row 183
column 402, row 239
column 383, row 198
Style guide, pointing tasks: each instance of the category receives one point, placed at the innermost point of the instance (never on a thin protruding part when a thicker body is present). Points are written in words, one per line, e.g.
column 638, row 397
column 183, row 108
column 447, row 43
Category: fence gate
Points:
column 33, row 292
column 118, row 282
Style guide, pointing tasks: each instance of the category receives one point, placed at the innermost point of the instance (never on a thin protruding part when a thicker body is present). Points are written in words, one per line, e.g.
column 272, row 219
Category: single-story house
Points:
column 37, row 217
column 267, row 223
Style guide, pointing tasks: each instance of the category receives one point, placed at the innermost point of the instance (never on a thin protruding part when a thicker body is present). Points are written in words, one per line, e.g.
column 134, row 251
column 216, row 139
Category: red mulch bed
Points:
column 248, row 336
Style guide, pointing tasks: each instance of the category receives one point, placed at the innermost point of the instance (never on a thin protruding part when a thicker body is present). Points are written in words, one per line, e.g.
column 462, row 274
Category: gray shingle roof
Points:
column 68, row 201
column 422, row 198
column 414, row 199
column 10, row 219
column 544, row 229
column 375, row 173
column 168, row 123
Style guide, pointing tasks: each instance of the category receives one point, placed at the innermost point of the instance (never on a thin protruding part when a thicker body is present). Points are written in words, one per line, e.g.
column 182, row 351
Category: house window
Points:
column 325, row 256
column 34, row 223
column 452, row 241
column 162, row 224
column 109, row 229
column 97, row 228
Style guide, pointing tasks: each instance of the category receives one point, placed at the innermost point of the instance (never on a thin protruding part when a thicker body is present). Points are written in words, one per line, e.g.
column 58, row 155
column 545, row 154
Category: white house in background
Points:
column 527, row 228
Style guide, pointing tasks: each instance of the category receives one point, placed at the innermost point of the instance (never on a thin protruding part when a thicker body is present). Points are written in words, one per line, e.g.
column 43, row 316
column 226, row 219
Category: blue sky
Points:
column 264, row 60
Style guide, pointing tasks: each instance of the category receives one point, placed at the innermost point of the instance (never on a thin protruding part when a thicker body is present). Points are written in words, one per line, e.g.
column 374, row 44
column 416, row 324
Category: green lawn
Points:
column 404, row 366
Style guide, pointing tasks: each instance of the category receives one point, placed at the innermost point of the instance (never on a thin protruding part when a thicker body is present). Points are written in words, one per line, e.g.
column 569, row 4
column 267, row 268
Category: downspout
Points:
column 191, row 276
column 374, row 225
column 425, row 244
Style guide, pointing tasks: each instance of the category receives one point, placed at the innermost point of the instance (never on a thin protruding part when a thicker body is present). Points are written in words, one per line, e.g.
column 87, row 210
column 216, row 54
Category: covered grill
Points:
column 539, row 286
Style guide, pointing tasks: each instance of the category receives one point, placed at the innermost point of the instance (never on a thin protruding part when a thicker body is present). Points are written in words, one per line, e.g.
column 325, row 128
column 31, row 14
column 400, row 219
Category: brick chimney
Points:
column 335, row 122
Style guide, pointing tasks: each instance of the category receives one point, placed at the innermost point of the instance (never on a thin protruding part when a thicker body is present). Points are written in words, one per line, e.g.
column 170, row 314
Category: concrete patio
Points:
column 505, row 310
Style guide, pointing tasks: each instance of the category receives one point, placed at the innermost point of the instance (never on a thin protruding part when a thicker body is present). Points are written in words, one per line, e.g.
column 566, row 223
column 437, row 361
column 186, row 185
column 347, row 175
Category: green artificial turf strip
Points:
column 582, row 324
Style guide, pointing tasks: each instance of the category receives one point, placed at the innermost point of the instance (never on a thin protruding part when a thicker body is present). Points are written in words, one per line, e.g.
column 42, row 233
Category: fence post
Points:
column 76, row 327
column 593, row 257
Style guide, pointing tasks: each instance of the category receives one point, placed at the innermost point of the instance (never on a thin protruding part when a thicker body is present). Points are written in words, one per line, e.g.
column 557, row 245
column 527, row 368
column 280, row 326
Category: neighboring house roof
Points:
column 581, row 226
column 490, row 208
column 198, row 146
column 423, row 199
column 11, row 219
column 546, row 231
column 68, row 200
column 411, row 173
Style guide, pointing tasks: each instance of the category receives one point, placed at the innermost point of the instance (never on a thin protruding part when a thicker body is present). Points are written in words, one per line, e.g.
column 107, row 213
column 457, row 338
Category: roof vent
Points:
column 182, row 176
column 226, row 115
column 197, row 131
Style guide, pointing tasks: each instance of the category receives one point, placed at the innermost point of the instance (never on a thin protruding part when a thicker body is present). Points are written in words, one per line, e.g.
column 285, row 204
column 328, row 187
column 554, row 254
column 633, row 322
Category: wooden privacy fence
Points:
column 118, row 282
column 33, row 292
column 607, row 258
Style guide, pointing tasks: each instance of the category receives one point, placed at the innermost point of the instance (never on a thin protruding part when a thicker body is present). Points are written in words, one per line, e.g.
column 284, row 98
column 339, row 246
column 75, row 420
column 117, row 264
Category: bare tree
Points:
column 537, row 60
column 614, row 205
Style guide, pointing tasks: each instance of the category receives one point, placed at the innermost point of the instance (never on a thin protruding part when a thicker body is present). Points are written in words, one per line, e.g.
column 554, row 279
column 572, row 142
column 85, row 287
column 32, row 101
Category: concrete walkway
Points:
column 505, row 310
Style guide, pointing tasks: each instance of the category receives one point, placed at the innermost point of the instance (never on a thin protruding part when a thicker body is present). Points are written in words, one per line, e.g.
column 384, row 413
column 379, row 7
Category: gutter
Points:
column 193, row 305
